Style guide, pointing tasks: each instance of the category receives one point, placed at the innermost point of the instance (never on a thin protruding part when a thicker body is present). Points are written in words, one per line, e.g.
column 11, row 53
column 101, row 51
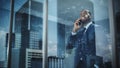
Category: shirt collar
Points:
column 86, row 26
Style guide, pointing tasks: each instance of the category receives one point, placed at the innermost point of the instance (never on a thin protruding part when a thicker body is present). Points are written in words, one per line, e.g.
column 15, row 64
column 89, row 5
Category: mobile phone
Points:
column 80, row 23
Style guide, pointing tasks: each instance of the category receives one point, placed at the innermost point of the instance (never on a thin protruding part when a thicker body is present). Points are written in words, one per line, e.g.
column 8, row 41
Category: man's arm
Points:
column 73, row 37
column 71, row 41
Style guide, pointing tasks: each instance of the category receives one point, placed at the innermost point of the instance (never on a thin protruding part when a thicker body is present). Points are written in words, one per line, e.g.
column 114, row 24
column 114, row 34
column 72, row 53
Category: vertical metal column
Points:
column 29, row 16
column 58, row 62
column 61, row 63
column 45, row 31
column 55, row 62
column 112, row 32
column 52, row 62
column 9, row 49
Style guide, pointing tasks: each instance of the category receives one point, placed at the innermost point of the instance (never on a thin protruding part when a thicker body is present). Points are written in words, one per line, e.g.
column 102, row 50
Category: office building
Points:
column 28, row 29
column 55, row 62
column 3, row 64
column 60, row 40
column 33, row 58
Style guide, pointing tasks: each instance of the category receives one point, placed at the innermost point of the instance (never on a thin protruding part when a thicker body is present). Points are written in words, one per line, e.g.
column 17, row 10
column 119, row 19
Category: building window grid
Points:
column 32, row 55
column 17, row 40
column 34, row 40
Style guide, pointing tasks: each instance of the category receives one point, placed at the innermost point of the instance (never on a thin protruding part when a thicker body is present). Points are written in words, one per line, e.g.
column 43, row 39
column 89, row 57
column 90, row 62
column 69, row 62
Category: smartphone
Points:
column 80, row 23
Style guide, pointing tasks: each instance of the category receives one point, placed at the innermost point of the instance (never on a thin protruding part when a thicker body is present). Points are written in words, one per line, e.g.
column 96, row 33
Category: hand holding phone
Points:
column 77, row 25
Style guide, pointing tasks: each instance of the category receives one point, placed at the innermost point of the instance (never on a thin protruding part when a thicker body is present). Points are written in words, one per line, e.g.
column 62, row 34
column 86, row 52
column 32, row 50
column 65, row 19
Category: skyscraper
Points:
column 15, row 51
column 22, row 36
column 28, row 30
column 33, row 58
column 13, row 40
column 55, row 62
column 6, row 43
column 29, row 26
column 35, row 32
column 60, row 40
column 2, row 64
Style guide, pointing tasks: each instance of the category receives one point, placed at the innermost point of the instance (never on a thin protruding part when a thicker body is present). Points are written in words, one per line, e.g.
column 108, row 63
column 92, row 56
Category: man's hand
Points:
column 76, row 25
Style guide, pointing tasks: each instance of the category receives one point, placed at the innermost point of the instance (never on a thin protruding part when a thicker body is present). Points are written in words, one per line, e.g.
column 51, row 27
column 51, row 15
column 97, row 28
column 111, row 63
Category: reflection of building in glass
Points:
column 15, row 58
column 61, row 39
column 33, row 58
column 35, row 32
column 14, row 52
column 6, row 43
column 13, row 40
column 17, row 40
column 65, row 12
column 29, row 26
column 34, row 41
column 3, row 64
column 55, row 62
column 28, row 34
column 67, row 16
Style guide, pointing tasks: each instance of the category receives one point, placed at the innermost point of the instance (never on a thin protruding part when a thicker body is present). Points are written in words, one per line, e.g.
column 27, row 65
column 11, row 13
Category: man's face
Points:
column 84, row 15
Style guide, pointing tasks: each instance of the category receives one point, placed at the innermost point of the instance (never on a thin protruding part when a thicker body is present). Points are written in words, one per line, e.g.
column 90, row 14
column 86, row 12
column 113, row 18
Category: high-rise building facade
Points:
column 29, row 26
column 3, row 64
column 56, row 62
column 60, row 39
column 28, row 32
column 33, row 58
column 12, row 47
column 13, row 40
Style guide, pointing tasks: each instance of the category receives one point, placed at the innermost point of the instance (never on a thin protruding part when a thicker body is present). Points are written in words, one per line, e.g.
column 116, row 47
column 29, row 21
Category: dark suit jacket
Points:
column 84, row 44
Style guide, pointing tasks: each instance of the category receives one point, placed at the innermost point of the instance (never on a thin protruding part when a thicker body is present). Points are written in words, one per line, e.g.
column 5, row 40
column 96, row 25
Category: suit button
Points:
column 81, row 58
column 80, row 53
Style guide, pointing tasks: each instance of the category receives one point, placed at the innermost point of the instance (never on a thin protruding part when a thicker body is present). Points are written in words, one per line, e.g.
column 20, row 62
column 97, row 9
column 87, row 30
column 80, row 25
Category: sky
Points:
column 4, row 26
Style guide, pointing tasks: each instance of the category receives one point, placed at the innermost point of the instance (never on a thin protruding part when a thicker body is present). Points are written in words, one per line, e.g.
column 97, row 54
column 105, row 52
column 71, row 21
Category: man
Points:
column 82, row 39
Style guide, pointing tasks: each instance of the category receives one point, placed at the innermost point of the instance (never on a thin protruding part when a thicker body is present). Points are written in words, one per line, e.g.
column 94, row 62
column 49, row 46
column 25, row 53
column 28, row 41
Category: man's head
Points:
column 85, row 15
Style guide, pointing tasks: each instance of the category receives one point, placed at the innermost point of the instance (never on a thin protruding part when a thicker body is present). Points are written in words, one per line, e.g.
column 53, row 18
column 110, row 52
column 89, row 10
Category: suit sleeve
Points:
column 71, row 41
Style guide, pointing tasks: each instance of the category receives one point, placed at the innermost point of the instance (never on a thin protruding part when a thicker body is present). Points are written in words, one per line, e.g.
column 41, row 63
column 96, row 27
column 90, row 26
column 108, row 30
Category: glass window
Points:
column 78, row 34
column 26, row 34
column 67, row 49
column 4, row 31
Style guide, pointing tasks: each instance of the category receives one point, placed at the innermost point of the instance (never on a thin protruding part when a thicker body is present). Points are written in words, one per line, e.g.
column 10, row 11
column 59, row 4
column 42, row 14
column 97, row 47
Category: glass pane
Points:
column 27, row 34
column 4, row 30
column 28, row 30
column 68, row 48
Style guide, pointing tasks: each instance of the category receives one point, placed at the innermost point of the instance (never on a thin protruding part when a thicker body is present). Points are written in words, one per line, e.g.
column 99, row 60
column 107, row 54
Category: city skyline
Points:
column 5, row 30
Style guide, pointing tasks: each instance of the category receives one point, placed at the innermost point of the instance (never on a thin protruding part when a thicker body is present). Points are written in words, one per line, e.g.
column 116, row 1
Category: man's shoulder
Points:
column 91, row 28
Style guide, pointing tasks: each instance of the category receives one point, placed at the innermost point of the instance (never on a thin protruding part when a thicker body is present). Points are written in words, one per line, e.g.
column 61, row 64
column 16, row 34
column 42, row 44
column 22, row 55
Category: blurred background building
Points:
column 56, row 62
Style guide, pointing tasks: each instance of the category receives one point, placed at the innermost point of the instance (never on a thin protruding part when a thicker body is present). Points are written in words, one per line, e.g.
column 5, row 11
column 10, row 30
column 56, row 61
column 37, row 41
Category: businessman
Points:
column 82, row 39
